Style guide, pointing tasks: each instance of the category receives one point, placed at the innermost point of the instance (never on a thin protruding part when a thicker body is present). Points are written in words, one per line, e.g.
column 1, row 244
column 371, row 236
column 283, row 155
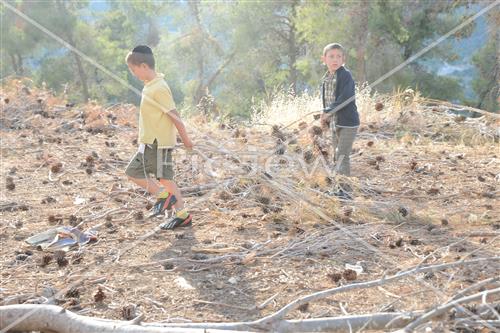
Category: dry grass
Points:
column 285, row 108
column 260, row 232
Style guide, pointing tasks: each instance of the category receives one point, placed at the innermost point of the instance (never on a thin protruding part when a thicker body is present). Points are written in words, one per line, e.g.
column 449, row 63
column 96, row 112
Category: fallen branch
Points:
column 362, row 285
column 467, row 324
column 197, row 249
column 267, row 301
column 197, row 190
column 16, row 299
column 12, row 206
column 102, row 215
column 222, row 304
column 445, row 307
column 57, row 319
column 460, row 107
column 476, row 286
column 375, row 321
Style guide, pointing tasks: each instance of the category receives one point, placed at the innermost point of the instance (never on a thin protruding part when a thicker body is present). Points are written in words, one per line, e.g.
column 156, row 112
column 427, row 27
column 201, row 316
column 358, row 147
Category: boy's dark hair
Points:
column 333, row 46
column 141, row 54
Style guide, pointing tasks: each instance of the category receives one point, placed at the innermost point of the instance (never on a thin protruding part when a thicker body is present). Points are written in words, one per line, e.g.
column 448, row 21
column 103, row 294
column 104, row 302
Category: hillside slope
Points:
column 425, row 188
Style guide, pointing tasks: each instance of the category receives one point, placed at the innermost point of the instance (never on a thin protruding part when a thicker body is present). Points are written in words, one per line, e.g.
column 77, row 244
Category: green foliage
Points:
column 55, row 73
column 239, row 52
column 486, row 84
column 437, row 87
column 486, row 60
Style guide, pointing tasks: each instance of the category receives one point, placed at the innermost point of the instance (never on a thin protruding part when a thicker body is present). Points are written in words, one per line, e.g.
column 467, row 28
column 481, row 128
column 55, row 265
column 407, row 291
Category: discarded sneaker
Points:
column 181, row 219
column 165, row 201
column 61, row 238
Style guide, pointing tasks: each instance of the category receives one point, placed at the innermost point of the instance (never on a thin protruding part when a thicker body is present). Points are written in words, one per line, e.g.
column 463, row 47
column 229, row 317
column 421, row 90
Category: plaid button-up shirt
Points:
column 330, row 82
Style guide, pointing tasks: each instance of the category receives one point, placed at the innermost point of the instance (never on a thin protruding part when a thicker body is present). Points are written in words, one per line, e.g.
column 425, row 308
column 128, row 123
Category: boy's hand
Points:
column 188, row 144
column 325, row 120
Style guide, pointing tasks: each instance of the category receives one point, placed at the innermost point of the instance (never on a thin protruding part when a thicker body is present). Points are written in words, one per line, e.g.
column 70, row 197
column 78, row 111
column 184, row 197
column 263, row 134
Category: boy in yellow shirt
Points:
column 159, row 123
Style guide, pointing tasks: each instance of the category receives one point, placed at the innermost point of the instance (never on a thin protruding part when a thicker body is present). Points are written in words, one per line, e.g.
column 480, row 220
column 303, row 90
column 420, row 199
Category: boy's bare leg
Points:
column 149, row 184
column 171, row 187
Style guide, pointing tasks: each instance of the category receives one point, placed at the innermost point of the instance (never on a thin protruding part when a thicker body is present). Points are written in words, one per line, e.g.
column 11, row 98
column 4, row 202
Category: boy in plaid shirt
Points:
column 339, row 105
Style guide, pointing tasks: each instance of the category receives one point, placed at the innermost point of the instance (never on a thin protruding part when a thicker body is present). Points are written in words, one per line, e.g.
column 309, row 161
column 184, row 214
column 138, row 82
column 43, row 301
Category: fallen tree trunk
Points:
column 52, row 318
column 372, row 321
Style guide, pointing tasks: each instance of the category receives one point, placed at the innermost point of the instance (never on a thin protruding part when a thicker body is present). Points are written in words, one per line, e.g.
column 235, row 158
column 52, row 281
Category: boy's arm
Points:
column 346, row 94
column 167, row 105
column 179, row 124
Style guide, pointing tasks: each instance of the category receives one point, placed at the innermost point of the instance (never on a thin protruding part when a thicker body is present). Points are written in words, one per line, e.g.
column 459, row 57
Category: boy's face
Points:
column 333, row 59
column 140, row 71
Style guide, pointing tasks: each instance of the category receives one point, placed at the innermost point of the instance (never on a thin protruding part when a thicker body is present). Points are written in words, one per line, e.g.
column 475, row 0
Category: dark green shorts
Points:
column 157, row 162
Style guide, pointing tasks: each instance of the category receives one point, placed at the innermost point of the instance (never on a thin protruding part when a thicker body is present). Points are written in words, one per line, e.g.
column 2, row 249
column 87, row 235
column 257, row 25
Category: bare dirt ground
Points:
column 425, row 190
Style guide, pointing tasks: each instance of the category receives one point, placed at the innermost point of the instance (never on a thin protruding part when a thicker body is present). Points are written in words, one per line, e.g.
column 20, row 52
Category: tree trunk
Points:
column 292, row 59
column 219, row 70
column 204, row 80
column 14, row 63
column 362, row 45
column 288, row 35
column 20, row 66
column 81, row 72
column 292, row 50
column 79, row 65
column 362, row 40
column 199, row 43
column 153, row 37
column 200, row 89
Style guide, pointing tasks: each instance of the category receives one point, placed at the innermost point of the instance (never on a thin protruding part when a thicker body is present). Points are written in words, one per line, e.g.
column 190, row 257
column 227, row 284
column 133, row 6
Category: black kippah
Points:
column 144, row 49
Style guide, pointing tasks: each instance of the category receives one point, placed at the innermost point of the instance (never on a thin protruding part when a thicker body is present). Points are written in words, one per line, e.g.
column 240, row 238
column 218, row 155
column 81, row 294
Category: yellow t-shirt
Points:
column 154, row 123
